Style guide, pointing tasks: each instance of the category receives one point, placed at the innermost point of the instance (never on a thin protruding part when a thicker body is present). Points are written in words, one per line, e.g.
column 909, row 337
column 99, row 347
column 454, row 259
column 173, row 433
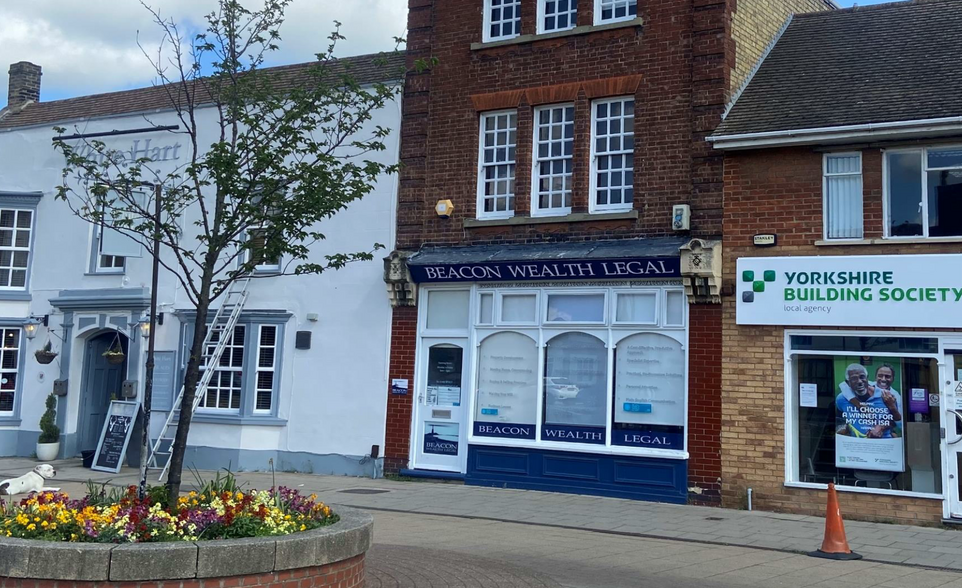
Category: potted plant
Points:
column 46, row 354
column 48, row 446
column 115, row 354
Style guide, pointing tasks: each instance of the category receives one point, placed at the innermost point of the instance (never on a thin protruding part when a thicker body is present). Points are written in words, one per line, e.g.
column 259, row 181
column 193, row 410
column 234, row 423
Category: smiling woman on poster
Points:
column 869, row 431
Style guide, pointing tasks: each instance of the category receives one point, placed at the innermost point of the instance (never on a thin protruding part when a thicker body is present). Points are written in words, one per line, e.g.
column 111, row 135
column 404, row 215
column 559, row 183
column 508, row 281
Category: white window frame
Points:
column 568, row 325
column 499, row 302
column 13, row 249
column 264, row 267
column 598, row 20
column 792, row 475
column 18, row 371
column 486, row 33
column 98, row 266
column 258, row 368
column 542, row 14
column 496, row 214
column 658, row 293
column 536, row 210
column 541, row 332
column 887, row 195
column 825, row 208
column 219, row 368
column 593, row 206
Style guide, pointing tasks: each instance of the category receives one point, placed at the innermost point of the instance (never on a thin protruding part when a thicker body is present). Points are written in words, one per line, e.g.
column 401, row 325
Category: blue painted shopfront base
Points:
column 639, row 478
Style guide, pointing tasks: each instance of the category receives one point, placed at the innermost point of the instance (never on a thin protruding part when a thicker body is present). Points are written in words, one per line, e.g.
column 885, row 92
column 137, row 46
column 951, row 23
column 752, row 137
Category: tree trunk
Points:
column 191, row 377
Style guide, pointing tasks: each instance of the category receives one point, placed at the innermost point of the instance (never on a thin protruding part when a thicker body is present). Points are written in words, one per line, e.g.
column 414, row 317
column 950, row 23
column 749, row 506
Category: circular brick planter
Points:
column 329, row 556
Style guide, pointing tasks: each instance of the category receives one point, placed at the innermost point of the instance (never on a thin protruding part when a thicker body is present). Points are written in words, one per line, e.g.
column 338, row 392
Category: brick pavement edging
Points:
column 329, row 556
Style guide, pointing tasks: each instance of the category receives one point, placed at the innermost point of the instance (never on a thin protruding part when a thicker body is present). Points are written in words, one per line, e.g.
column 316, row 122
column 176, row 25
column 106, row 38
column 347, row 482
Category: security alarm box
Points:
column 128, row 389
column 681, row 217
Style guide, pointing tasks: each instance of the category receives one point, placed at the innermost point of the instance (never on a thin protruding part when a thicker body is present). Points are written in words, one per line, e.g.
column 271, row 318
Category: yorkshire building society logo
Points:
column 757, row 286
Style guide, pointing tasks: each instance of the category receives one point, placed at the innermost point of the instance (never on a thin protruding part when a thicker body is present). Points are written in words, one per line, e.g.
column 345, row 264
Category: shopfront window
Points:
column 868, row 420
column 602, row 366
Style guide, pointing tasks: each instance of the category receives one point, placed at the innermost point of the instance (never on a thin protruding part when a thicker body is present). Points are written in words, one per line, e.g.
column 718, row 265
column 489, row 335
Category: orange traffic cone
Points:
column 835, row 545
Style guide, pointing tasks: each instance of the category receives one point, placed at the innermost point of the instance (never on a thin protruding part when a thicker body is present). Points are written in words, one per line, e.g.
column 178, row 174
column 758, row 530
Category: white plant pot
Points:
column 48, row 451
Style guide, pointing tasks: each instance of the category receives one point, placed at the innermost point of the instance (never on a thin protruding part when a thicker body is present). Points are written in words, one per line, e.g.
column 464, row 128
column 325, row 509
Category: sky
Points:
column 90, row 46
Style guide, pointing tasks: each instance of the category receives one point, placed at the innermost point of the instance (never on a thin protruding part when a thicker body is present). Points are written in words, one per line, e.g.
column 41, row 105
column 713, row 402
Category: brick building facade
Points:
column 534, row 77
column 846, row 177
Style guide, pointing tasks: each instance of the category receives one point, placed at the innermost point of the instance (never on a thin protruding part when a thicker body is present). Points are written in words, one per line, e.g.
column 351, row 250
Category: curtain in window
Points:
column 843, row 184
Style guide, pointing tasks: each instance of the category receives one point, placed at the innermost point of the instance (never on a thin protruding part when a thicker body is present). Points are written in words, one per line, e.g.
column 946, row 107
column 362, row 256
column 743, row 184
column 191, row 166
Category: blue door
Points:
column 102, row 381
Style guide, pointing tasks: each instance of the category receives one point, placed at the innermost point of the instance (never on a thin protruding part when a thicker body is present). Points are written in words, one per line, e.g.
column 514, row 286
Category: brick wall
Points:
column 680, row 99
column 780, row 191
column 755, row 24
column 343, row 574
column 704, row 403
column 404, row 333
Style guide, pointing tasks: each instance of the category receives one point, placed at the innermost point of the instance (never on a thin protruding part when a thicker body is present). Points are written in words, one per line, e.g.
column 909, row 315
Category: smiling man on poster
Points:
column 869, row 431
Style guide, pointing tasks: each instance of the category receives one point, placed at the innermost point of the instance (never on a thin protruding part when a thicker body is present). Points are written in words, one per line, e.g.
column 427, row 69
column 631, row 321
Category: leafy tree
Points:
column 291, row 147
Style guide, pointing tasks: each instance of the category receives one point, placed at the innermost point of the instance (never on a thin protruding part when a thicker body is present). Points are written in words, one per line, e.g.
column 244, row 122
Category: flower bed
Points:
column 220, row 511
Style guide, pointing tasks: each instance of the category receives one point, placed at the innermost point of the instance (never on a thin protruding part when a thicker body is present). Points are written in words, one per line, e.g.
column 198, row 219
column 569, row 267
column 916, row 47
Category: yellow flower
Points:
column 31, row 527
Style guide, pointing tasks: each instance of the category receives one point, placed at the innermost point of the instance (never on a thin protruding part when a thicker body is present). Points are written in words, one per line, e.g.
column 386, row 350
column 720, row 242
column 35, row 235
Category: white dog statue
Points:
column 32, row 481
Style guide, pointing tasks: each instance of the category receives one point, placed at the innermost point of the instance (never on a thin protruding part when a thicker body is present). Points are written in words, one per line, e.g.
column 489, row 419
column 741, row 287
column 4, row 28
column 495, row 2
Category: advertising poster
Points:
column 650, row 381
column 441, row 438
column 869, row 425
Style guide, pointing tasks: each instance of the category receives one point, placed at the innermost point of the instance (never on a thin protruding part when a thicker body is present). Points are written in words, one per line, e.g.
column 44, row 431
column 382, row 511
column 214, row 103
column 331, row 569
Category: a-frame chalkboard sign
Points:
column 118, row 426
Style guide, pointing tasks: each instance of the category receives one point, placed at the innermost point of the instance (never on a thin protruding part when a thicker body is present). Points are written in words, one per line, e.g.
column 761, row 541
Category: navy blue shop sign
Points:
column 504, row 430
column 594, row 269
column 573, row 434
column 644, row 437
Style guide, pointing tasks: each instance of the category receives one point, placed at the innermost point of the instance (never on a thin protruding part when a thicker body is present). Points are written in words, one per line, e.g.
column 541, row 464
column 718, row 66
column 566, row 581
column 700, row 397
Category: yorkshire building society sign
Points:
column 872, row 291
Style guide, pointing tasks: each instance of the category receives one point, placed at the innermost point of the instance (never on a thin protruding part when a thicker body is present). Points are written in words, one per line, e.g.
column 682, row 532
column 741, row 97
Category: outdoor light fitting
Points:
column 31, row 326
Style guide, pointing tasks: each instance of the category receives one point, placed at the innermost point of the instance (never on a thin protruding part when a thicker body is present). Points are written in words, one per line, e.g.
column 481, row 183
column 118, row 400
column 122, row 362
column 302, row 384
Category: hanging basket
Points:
column 45, row 357
column 115, row 353
column 114, row 357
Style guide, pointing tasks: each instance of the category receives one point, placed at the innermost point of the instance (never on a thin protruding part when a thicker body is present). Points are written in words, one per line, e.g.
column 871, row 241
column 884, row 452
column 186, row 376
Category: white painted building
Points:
column 315, row 406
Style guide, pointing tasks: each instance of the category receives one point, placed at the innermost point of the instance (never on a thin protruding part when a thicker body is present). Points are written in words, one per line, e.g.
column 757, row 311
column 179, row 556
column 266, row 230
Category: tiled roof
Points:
column 890, row 62
column 365, row 69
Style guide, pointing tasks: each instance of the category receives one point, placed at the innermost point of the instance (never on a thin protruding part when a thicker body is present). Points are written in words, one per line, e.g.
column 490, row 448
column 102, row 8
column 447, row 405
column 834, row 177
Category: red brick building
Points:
column 842, row 348
column 556, row 276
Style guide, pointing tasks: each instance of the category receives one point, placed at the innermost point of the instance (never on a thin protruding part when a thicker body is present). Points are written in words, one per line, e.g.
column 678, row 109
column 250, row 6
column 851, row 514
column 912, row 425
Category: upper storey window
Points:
column 553, row 159
column 923, row 192
column 502, row 19
column 499, row 141
column 615, row 10
column 557, row 15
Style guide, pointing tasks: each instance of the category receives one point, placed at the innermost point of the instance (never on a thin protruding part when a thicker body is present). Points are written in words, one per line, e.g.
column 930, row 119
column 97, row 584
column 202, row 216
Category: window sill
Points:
column 123, row 273
column 863, row 490
column 583, row 30
column 9, row 421
column 577, row 217
column 889, row 241
column 234, row 419
column 15, row 295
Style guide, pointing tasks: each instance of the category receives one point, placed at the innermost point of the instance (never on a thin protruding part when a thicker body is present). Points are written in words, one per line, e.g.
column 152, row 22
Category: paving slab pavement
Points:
column 877, row 542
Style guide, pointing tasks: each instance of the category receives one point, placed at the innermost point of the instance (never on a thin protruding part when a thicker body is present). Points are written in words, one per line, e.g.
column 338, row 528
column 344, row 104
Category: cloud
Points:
column 90, row 46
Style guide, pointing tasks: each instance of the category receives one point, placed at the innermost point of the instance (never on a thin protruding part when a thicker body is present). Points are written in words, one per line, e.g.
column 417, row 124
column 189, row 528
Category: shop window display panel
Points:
column 868, row 421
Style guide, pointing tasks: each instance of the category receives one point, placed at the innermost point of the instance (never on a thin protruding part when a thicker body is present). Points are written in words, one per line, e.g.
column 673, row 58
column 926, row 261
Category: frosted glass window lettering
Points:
column 573, row 308
column 519, row 308
column 904, row 193
column 448, row 309
column 674, row 308
column 617, row 9
column 575, row 380
column 444, row 376
column 486, row 309
column 559, row 14
column 641, row 308
column 554, row 159
column 498, row 150
column 507, row 379
column 843, row 196
column 613, row 138
column 650, row 380
column 15, row 228
column 503, row 19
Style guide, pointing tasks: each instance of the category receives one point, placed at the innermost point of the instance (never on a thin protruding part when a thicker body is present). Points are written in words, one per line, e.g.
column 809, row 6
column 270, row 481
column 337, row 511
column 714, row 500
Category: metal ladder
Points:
column 222, row 327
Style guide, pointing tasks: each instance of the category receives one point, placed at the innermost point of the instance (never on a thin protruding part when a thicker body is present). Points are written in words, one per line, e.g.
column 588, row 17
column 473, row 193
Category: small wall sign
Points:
column 399, row 387
column 766, row 240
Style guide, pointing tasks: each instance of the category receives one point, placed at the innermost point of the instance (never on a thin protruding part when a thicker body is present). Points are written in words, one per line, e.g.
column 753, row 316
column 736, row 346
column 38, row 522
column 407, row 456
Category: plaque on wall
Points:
column 650, row 380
